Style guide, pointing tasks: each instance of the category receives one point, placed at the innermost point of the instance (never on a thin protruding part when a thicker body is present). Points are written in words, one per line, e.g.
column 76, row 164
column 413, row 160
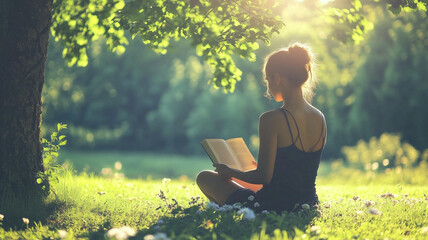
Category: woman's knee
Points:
column 204, row 177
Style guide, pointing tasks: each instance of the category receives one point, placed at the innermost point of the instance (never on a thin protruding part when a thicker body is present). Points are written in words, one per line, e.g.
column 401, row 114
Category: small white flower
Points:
column 129, row 231
column 425, row 230
column 305, row 206
column 247, row 213
column 62, row 234
column 221, row 209
column 157, row 236
column 251, row 198
column 212, row 205
column 315, row 230
column 374, row 211
column 121, row 233
column 265, row 212
column 228, row 207
column 236, row 206
column 160, row 221
column 166, row 180
column 256, row 204
column 26, row 220
column 116, row 233
column 1, row 217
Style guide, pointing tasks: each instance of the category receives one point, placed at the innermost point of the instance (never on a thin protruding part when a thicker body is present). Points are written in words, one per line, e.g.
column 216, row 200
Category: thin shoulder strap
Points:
column 288, row 124
column 322, row 133
column 298, row 132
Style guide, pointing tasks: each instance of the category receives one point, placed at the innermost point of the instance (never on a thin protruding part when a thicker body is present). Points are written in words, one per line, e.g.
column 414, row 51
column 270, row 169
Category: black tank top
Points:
column 293, row 180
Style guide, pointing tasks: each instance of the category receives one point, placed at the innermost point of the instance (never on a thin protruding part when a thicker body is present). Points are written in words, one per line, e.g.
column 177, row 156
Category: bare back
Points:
column 305, row 128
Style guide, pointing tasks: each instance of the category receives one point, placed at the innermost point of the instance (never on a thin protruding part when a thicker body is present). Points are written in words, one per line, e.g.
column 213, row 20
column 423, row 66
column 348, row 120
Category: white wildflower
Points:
column 315, row 230
column 121, row 233
column 256, row 204
column 374, row 211
column 247, row 213
column 265, row 212
column 251, row 198
column 236, row 206
column 305, row 206
column 212, row 205
column 425, row 230
column 228, row 207
column 116, row 233
column 166, row 180
column 129, row 231
column 156, row 236
column 62, row 234
column 1, row 217
column 26, row 220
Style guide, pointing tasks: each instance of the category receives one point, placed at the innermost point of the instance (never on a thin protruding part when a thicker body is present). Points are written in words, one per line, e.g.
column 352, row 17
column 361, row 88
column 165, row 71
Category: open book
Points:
column 233, row 153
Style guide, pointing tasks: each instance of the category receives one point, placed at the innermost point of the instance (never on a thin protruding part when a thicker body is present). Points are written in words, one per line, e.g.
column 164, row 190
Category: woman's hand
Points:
column 223, row 170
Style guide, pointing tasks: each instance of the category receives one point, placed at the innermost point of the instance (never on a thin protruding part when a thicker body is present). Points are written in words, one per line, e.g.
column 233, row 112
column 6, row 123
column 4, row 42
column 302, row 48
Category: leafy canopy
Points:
column 218, row 29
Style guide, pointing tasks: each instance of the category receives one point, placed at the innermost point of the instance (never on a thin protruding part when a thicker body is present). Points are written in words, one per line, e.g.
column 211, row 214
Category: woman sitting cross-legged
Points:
column 292, row 139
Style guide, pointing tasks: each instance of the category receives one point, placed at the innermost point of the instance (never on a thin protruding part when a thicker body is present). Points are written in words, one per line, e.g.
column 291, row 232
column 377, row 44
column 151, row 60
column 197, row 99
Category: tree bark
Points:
column 24, row 30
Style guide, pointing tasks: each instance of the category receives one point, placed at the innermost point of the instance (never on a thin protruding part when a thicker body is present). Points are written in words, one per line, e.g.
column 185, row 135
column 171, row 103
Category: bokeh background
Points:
column 142, row 115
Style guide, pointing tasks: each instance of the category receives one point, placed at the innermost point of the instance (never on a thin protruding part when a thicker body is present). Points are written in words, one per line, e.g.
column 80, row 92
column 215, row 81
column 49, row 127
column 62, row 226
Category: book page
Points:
column 242, row 153
column 219, row 152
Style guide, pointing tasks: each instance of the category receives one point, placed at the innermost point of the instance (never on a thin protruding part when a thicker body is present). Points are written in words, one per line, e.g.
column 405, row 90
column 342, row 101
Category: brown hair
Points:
column 294, row 63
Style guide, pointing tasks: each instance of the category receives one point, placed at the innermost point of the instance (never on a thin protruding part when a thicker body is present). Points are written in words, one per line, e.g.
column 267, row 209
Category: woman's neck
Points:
column 293, row 99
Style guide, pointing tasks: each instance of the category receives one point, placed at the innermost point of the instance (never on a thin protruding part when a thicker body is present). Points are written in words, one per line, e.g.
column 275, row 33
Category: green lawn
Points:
column 88, row 207
column 354, row 204
column 137, row 164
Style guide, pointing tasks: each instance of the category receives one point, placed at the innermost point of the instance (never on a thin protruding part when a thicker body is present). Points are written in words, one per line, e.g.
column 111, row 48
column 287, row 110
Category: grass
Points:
column 137, row 164
column 87, row 206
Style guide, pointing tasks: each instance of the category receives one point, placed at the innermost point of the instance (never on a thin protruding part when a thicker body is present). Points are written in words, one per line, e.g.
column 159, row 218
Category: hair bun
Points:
column 300, row 54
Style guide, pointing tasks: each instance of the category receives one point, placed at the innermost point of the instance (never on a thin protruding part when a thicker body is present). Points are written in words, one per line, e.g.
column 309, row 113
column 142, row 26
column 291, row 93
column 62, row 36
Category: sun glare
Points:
column 322, row 1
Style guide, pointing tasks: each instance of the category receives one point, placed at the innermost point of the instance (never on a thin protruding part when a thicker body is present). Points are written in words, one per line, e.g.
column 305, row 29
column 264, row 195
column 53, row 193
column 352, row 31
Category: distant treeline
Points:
column 143, row 101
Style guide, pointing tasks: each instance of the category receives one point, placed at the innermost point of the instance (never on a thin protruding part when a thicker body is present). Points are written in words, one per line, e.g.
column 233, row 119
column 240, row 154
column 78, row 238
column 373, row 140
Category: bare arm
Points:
column 267, row 153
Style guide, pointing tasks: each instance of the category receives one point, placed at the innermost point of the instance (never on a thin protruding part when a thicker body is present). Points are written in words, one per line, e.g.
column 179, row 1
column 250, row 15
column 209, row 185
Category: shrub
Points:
column 387, row 151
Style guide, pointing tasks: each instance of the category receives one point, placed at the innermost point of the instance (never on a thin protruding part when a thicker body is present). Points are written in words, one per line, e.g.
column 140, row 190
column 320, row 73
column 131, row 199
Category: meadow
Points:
column 92, row 205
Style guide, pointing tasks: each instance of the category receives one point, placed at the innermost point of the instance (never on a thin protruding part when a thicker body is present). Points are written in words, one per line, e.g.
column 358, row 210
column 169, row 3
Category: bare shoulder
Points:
column 271, row 115
column 271, row 118
column 316, row 112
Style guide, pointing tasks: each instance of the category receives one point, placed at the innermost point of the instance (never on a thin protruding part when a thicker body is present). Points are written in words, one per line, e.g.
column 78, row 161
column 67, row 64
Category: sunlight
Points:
column 322, row 1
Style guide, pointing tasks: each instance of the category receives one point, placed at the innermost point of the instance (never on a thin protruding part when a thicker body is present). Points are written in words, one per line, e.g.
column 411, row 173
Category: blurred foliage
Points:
column 217, row 29
column 141, row 100
column 390, row 86
column 382, row 153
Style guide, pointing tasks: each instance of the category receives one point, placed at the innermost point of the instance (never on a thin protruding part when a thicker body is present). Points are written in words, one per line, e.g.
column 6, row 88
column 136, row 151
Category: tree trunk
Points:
column 24, row 29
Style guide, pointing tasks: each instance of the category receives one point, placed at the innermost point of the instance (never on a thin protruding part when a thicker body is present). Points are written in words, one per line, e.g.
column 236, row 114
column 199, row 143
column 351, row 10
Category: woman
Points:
column 291, row 142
